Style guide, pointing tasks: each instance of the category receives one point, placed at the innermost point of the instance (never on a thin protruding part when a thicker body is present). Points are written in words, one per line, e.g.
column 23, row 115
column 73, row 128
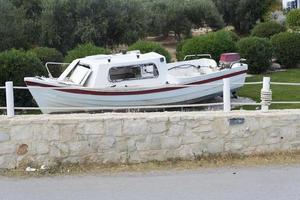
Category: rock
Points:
column 107, row 143
column 275, row 67
column 42, row 148
column 4, row 137
column 176, row 130
column 94, row 128
column 7, row 148
column 170, row 142
column 22, row 149
column 8, row 162
column 50, row 132
column 135, row 127
column 202, row 128
column 21, row 132
column 153, row 142
column 67, row 132
column 215, row 147
column 157, row 127
column 113, row 127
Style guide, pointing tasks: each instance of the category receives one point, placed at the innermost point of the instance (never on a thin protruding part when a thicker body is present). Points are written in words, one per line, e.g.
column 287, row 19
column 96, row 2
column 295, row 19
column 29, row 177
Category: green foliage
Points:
column 63, row 24
column 234, row 36
column 293, row 20
column 213, row 43
column 258, row 52
column 14, row 66
column 84, row 50
column 12, row 26
column 181, row 16
column 287, row 48
column 179, row 53
column 243, row 14
column 146, row 47
column 46, row 54
column 267, row 29
column 19, row 22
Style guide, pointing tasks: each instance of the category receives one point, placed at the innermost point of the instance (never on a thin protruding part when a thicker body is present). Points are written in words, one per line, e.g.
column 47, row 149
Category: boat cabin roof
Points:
column 120, row 59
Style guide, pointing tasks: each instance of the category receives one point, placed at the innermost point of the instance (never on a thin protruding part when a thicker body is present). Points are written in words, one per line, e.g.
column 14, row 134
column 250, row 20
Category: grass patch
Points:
column 280, row 92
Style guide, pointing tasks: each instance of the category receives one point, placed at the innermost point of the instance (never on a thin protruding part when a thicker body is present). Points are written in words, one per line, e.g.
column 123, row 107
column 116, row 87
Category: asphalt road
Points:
column 241, row 184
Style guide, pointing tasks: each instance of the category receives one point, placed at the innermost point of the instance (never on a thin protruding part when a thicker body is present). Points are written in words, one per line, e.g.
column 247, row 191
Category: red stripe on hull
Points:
column 166, row 89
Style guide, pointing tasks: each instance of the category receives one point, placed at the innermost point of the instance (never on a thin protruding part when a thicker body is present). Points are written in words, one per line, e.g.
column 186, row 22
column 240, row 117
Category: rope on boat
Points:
column 266, row 98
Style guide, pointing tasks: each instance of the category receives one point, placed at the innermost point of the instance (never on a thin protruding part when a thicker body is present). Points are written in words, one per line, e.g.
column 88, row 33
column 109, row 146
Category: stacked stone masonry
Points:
column 143, row 137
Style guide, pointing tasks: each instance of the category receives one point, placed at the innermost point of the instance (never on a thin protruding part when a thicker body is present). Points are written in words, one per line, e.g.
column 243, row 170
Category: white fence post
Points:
column 226, row 95
column 266, row 95
column 10, row 99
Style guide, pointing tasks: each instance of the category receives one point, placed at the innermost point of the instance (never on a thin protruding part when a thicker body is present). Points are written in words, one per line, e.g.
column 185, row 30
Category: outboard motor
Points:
column 228, row 59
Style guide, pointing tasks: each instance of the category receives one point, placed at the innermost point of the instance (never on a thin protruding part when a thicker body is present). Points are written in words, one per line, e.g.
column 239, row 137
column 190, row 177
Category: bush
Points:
column 84, row 50
column 287, row 48
column 49, row 55
column 293, row 20
column 14, row 66
column 179, row 46
column 213, row 43
column 146, row 47
column 258, row 52
column 234, row 36
column 267, row 29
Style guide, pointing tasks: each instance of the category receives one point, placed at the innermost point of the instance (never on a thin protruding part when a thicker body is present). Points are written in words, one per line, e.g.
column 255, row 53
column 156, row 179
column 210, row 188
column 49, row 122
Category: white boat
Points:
column 134, row 79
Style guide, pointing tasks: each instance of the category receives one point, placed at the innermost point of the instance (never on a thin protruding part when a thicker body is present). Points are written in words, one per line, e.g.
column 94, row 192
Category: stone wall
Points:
column 142, row 137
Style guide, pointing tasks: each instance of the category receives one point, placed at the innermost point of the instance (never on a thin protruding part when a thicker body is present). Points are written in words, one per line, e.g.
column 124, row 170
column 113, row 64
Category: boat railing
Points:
column 265, row 97
column 53, row 63
column 197, row 55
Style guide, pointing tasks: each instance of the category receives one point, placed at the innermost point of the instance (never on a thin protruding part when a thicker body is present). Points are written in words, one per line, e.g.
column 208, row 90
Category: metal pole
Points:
column 10, row 99
column 226, row 95
column 266, row 94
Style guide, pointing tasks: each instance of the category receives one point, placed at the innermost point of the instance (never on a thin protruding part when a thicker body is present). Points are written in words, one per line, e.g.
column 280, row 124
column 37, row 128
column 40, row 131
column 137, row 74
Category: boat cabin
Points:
column 119, row 70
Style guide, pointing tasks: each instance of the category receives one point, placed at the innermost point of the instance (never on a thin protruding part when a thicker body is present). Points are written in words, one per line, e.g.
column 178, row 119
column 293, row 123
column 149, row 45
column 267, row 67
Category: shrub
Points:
column 267, row 29
column 14, row 66
column 258, row 52
column 213, row 43
column 287, row 48
column 293, row 20
column 146, row 47
column 84, row 50
column 46, row 54
column 179, row 53
column 234, row 36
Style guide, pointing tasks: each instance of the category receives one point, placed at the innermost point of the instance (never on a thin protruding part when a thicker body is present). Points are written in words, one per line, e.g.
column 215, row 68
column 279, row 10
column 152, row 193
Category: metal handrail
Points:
column 197, row 55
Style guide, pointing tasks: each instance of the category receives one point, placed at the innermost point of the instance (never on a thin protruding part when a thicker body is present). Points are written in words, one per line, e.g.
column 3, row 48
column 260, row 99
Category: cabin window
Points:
column 79, row 74
column 133, row 72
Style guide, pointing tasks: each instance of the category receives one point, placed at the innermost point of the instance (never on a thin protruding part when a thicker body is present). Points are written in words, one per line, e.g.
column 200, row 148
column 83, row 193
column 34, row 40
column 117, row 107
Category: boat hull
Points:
column 127, row 97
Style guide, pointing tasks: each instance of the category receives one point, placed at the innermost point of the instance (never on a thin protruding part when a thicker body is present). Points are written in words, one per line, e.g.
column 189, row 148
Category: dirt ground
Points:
column 287, row 158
